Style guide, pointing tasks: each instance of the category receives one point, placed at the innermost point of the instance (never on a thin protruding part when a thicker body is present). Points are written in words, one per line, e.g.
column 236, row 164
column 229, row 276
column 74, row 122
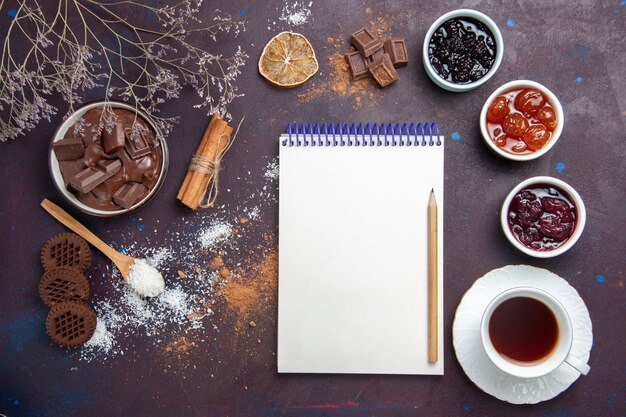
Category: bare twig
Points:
column 83, row 45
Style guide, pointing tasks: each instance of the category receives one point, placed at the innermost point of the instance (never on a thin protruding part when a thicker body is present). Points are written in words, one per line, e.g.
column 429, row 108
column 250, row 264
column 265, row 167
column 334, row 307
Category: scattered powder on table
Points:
column 159, row 256
column 253, row 213
column 296, row 13
column 125, row 314
column 182, row 317
column 381, row 26
column 145, row 279
column 181, row 345
column 272, row 170
column 216, row 233
column 102, row 339
column 340, row 83
column 240, row 296
column 253, row 284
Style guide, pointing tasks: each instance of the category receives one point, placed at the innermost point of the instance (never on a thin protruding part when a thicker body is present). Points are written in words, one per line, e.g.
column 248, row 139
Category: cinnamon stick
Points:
column 215, row 140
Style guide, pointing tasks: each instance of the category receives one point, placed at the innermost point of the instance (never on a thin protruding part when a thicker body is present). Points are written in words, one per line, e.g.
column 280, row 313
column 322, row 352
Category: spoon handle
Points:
column 74, row 225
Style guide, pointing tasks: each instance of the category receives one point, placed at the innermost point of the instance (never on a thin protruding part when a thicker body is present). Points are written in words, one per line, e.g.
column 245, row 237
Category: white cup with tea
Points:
column 527, row 333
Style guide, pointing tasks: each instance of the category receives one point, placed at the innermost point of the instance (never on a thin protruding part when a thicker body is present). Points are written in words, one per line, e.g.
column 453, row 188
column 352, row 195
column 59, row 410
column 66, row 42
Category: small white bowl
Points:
column 581, row 216
column 484, row 19
column 554, row 102
column 55, row 171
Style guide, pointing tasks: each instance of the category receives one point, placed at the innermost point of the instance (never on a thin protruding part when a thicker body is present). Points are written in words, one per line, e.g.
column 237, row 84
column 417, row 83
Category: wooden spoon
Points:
column 123, row 262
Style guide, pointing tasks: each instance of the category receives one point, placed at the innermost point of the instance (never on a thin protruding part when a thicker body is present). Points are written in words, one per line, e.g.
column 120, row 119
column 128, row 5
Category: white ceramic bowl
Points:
column 554, row 102
column 484, row 19
column 581, row 216
column 57, row 178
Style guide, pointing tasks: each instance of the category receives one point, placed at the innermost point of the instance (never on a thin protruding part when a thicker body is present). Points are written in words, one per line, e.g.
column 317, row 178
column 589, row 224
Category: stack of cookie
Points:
column 375, row 58
column 64, row 288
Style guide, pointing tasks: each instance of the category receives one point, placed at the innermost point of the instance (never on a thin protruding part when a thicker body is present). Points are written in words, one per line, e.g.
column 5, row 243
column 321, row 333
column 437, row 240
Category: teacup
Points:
column 527, row 333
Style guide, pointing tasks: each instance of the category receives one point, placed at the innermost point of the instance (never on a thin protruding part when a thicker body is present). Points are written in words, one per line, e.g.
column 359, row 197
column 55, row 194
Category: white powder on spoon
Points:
column 145, row 279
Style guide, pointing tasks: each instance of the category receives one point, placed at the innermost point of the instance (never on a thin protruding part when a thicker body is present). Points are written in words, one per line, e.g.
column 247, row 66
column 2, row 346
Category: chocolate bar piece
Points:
column 384, row 72
column 136, row 144
column 89, row 178
column 358, row 67
column 128, row 195
column 68, row 148
column 69, row 169
column 113, row 140
column 365, row 41
column 376, row 56
column 109, row 167
column 396, row 48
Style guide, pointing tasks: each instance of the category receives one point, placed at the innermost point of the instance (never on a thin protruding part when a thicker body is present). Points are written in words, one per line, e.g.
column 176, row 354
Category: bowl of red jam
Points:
column 543, row 217
column 462, row 50
column 521, row 120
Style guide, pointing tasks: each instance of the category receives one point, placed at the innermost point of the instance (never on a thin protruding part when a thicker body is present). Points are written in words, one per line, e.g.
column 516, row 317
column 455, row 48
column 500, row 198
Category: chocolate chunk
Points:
column 69, row 148
column 70, row 323
column 358, row 67
column 69, row 169
column 128, row 195
column 115, row 139
column 365, row 41
column 137, row 170
column 93, row 154
column 396, row 48
column 90, row 178
column 87, row 179
column 136, row 144
column 376, row 56
column 384, row 72
column 109, row 167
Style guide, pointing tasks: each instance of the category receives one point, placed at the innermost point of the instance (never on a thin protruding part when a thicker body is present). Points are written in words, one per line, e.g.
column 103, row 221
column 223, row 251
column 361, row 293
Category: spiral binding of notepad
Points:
column 368, row 134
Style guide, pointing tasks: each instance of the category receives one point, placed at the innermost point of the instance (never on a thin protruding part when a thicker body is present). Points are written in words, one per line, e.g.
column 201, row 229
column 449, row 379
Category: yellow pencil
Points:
column 432, row 279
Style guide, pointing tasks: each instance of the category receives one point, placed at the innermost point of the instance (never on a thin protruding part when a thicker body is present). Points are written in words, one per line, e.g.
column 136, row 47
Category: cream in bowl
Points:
column 107, row 165
column 521, row 120
column 543, row 217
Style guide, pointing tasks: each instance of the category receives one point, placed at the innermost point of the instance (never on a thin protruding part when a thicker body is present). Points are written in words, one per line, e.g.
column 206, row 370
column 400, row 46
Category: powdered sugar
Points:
column 145, row 279
column 296, row 13
column 271, row 170
column 126, row 314
column 101, row 340
column 217, row 232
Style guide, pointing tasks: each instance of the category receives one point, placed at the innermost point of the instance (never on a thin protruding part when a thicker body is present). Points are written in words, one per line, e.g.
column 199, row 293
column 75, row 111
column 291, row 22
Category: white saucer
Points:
column 474, row 359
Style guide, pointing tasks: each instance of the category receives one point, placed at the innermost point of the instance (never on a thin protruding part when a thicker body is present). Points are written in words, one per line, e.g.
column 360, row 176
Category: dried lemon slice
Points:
column 288, row 60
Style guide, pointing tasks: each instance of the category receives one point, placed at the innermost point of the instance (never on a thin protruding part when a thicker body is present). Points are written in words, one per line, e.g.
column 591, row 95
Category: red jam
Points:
column 542, row 218
column 521, row 121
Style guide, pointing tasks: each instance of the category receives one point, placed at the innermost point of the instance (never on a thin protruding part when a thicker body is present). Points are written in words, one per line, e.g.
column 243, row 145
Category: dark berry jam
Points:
column 462, row 50
column 542, row 218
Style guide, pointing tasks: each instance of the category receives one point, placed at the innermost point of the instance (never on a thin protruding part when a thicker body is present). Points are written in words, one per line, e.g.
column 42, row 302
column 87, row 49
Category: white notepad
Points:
column 352, row 288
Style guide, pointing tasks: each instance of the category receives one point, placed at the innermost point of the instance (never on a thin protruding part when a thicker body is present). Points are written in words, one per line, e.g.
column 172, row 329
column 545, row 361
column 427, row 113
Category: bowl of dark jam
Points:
column 462, row 50
column 543, row 217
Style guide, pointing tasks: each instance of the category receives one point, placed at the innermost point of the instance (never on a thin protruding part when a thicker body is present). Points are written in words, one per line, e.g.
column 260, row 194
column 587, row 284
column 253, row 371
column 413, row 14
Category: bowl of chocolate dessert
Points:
column 543, row 216
column 108, row 158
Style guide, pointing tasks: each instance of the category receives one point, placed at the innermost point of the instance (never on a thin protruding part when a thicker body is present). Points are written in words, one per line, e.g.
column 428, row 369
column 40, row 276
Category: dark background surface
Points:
column 574, row 48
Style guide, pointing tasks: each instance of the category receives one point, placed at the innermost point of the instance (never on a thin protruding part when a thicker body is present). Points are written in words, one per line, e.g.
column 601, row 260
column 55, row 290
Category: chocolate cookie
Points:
column 70, row 323
column 66, row 249
column 63, row 284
